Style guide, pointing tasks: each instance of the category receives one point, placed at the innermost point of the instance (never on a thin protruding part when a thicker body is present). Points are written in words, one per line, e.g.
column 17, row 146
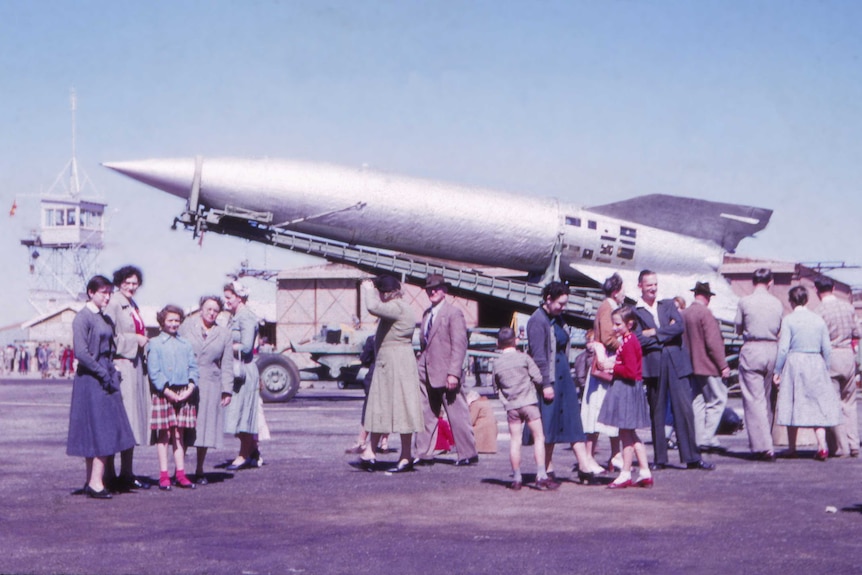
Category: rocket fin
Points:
column 724, row 224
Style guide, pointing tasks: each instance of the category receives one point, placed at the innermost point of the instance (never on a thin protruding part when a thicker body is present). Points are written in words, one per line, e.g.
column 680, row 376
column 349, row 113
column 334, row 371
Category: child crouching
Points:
column 516, row 377
column 173, row 373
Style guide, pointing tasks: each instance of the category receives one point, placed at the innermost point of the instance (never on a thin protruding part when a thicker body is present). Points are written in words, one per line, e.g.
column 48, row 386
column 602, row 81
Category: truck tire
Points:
column 279, row 377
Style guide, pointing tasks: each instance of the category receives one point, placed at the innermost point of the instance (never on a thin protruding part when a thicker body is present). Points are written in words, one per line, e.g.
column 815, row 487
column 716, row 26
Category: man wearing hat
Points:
column 443, row 341
column 709, row 367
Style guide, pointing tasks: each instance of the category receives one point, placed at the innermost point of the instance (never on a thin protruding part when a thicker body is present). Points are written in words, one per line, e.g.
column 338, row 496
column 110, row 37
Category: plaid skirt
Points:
column 167, row 414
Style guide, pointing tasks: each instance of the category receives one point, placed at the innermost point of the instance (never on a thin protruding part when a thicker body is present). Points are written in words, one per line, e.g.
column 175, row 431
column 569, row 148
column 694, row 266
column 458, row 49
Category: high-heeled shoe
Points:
column 822, row 455
column 644, row 482
column 93, row 494
column 620, row 485
column 586, row 477
column 246, row 464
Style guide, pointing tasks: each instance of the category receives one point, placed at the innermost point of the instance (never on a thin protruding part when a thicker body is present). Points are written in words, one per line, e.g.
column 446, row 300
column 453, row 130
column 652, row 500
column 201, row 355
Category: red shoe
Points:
column 620, row 485
column 644, row 482
column 822, row 455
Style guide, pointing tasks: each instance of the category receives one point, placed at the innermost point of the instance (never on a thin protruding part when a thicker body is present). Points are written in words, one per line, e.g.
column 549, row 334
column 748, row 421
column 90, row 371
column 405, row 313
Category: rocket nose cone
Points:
column 174, row 176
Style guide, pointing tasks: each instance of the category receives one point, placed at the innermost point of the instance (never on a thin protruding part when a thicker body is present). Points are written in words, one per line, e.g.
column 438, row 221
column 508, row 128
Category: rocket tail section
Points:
column 724, row 224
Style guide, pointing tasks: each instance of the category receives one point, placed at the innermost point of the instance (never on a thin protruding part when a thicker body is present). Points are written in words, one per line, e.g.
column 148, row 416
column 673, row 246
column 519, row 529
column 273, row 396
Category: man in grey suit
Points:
column 443, row 341
column 666, row 371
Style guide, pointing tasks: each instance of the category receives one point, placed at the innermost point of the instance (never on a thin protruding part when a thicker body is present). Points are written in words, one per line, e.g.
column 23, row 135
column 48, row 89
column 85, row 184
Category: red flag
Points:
column 13, row 208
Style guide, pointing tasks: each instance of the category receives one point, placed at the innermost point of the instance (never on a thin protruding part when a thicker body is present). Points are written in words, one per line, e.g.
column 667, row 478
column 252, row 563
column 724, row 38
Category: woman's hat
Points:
column 386, row 284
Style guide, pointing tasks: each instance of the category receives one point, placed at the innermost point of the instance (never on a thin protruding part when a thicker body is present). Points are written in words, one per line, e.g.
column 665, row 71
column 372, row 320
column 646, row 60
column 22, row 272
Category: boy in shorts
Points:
column 516, row 377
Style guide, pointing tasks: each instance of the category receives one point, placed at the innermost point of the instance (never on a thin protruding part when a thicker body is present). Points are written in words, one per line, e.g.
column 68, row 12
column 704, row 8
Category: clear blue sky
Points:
column 592, row 102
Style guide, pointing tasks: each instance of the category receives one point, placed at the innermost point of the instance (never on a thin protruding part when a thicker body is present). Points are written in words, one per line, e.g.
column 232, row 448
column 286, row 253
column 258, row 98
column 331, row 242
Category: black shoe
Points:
column 468, row 461
column 81, row 491
column 403, row 467
column 201, row 479
column 92, row 493
column 657, row 466
column 130, row 483
column 366, row 464
column 767, row 456
column 419, row 462
column 700, row 464
column 586, row 478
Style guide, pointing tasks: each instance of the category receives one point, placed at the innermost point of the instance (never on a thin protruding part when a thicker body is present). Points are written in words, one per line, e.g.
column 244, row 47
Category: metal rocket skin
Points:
column 468, row 224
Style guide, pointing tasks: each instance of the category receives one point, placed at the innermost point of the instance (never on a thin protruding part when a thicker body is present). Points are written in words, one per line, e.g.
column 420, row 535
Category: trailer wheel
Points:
column 279, row 377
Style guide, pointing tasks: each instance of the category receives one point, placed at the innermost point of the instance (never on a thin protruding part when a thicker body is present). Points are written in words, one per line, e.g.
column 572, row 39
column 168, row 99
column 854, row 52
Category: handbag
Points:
column 238, row 370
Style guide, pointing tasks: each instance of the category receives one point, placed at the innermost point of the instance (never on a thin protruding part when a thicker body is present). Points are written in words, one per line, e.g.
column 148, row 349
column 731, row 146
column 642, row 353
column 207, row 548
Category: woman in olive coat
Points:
column 394, row 404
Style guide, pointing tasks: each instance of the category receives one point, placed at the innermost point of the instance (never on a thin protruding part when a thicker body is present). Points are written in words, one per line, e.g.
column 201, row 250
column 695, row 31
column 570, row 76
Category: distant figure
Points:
column 24, row 360
column 98, row 424
column 758, row 321
column 806, row 397
column 443, row 341
column 843, row 328
column 679, row 302
column 705, row 345
column 516, row 376
column 67, row 361
column 42, row 356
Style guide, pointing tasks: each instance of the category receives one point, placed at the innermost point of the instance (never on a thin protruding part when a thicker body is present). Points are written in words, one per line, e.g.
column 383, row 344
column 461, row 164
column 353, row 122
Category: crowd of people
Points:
column 47, row 359
column 657, row 364
column 186, row 387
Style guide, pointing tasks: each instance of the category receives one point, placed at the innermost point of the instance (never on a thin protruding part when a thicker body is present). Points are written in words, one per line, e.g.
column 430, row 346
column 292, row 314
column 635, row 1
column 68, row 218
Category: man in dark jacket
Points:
column 666, row 371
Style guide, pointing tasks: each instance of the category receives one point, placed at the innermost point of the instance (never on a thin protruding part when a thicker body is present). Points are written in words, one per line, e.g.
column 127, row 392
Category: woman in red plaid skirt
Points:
column 173, row 373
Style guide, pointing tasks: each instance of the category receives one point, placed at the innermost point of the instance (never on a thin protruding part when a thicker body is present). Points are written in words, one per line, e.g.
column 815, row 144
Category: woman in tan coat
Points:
column 130, row 338
column 394, row 405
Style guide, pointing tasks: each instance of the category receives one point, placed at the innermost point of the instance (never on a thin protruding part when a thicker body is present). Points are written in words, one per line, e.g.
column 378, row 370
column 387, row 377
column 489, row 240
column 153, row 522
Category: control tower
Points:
column 65, row 249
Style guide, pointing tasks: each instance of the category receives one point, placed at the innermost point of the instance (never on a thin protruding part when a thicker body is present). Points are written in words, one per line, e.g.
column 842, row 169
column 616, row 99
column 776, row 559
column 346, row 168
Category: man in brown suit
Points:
column 443, row 340
column 706, row 346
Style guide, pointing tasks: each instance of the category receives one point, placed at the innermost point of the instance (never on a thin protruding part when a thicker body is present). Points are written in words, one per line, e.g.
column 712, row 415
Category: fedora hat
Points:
column 435, row 281
column 702, row 288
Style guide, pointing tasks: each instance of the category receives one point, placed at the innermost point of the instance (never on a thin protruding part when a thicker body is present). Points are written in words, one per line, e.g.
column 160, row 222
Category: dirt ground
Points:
column 308, row 511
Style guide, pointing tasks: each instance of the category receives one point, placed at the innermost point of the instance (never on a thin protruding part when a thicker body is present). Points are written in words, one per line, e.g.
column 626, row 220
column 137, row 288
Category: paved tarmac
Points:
column 308, row 511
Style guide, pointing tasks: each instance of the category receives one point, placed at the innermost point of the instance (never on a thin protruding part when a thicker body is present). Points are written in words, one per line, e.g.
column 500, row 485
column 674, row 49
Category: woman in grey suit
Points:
column 213, row 347
column 242, row 414
column 130, row 337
